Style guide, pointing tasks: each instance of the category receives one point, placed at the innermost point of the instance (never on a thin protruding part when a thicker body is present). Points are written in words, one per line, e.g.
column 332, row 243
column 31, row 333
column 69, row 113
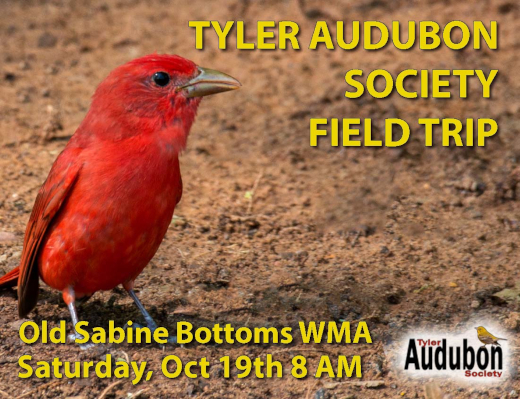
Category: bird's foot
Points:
column 74, row 336
column 152, row 327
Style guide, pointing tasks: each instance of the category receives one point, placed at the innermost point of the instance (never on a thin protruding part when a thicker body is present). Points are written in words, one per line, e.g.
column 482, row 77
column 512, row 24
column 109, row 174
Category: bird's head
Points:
column 480, row 330
column 153, row 93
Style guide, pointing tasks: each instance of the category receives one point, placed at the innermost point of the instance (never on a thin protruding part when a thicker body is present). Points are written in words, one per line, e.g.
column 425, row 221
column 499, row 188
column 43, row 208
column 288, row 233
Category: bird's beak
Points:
column 207, row 82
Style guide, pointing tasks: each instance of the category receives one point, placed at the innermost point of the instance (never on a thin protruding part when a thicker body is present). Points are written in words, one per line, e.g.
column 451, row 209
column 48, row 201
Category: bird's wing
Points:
column 485, row 339
column 51, row 196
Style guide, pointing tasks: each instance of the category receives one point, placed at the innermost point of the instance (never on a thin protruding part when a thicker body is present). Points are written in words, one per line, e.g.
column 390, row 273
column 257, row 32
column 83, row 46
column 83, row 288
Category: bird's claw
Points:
column 71, row 338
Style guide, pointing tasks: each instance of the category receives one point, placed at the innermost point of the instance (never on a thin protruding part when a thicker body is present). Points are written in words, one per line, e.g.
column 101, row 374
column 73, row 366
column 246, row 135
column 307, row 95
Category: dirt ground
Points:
column 271, row 232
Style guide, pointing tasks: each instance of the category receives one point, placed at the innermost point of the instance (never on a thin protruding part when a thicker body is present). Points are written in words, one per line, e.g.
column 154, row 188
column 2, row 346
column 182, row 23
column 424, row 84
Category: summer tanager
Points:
column 109, row 198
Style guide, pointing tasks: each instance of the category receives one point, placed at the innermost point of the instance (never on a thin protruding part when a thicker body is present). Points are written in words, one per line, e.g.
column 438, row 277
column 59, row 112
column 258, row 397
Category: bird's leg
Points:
column 150, row 322
column 70, row 298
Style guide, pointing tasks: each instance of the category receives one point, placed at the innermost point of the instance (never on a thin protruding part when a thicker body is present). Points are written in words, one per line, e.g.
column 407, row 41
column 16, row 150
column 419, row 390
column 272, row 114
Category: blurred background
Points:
column 270, row 231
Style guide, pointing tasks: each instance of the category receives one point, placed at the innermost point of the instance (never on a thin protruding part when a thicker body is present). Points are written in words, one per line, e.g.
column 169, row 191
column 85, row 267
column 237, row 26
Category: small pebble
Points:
column 24, row 66
column 475, row 304
column 7, row 236
column 513, row 321
column 15, row 325
column 23, row 98
column 47, row 40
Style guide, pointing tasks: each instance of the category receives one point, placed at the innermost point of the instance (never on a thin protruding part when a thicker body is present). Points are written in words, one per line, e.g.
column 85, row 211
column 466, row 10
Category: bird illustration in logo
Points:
column 486, row 337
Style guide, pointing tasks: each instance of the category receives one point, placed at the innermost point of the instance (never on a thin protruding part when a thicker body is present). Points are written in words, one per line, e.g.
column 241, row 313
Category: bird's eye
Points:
column 161, row 78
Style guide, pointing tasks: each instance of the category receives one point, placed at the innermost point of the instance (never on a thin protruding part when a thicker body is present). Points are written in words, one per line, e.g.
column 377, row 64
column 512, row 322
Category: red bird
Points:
column 109, row 198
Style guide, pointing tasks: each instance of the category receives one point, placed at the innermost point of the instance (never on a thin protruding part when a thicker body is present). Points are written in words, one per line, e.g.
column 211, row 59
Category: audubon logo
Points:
column 439, row 355
column 474, row 355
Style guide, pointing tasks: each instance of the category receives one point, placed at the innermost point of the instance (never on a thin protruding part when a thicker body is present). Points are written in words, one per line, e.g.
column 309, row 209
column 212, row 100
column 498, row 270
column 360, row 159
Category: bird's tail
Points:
column 10, row 279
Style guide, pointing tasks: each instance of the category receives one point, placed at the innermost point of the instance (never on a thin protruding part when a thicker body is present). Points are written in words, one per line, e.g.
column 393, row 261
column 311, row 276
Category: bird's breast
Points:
column 114, row 219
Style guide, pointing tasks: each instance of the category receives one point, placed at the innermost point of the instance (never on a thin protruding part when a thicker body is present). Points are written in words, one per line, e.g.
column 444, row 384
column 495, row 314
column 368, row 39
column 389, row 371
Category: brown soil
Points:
column 407, row 238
